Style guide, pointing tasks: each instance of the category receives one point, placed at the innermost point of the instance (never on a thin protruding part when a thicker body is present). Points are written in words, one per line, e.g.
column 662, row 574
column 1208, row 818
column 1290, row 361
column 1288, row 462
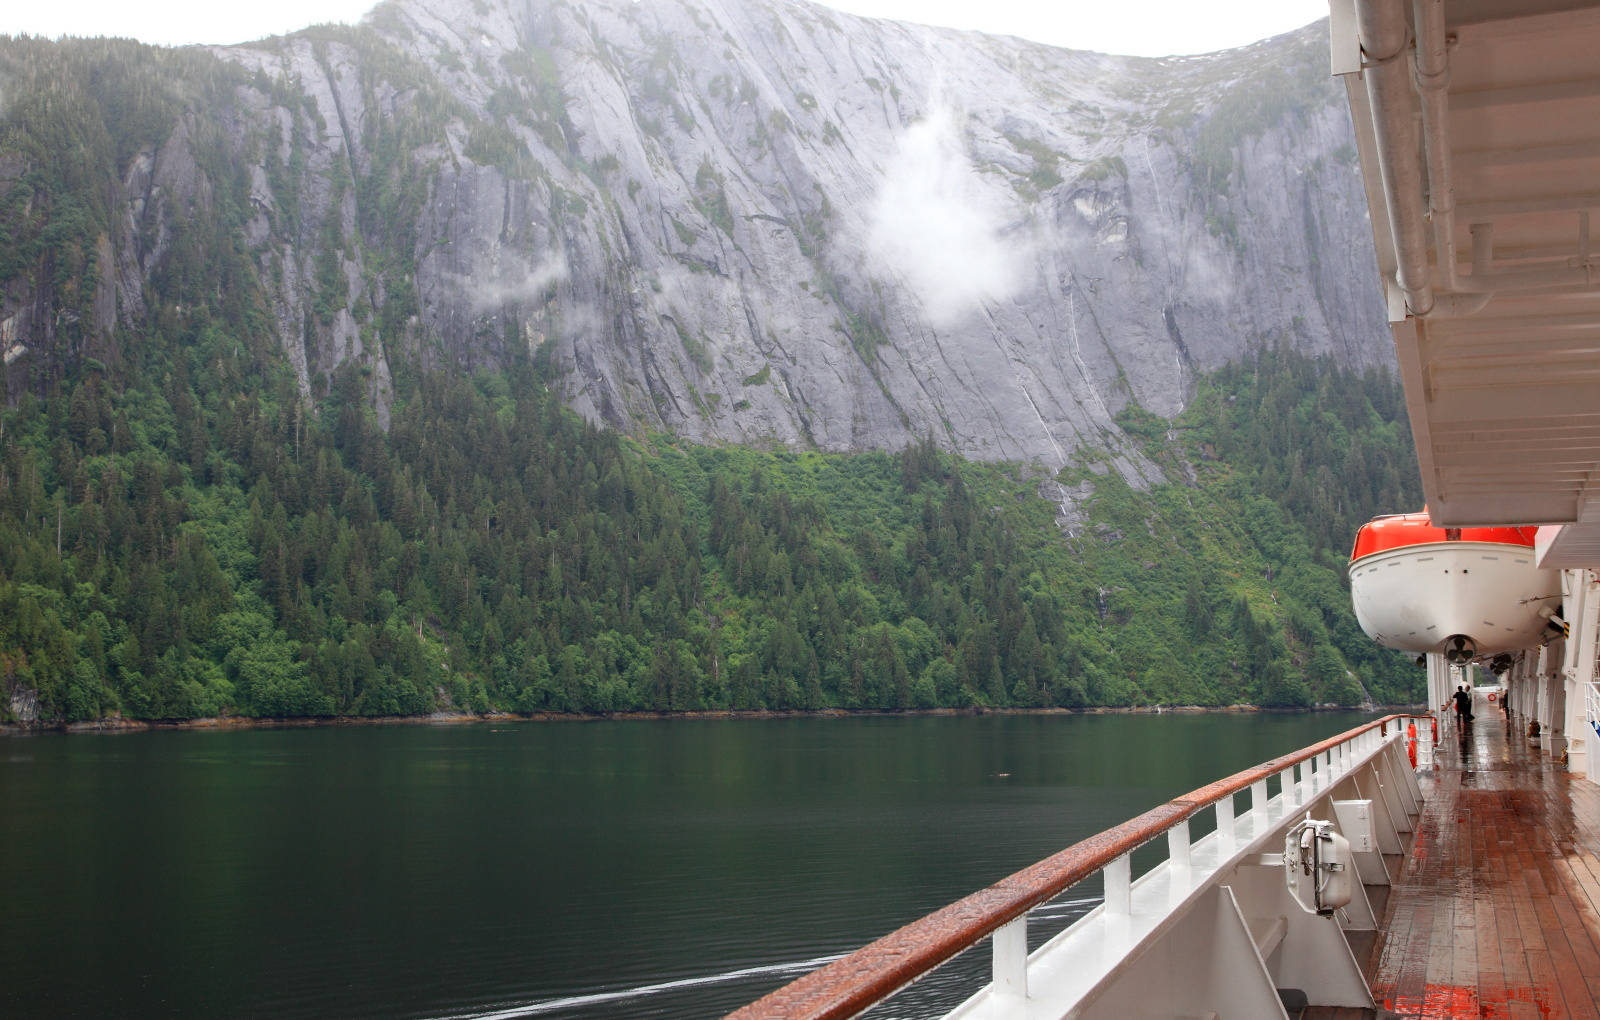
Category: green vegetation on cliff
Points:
column 179, row 537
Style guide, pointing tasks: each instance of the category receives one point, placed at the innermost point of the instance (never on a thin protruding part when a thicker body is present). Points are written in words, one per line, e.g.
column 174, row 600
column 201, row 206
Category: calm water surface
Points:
column 454, row 871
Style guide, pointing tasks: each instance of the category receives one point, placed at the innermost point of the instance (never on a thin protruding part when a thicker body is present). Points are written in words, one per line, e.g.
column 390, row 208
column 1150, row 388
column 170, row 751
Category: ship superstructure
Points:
column 1478, row 124
column 1422, row 865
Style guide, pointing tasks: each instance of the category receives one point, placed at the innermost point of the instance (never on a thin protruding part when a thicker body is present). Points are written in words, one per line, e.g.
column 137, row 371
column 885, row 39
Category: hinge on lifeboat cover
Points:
column 1452, row 534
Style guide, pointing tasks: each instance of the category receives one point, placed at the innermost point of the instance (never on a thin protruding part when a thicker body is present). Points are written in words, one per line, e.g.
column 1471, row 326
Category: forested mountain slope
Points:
column 352, row 373
column 747, row 220
column 180, row 541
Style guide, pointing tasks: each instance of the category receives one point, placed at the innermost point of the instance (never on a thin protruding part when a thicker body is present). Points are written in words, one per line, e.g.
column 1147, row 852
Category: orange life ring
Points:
column 1492, row 695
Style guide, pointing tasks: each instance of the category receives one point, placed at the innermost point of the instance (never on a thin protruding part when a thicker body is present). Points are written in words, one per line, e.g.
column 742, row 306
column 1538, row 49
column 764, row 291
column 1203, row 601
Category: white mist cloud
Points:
column 511, row 280
column 933, row 226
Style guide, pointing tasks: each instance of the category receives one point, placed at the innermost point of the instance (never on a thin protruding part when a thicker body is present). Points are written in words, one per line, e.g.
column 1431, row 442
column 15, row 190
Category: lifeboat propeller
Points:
column 1459, row 649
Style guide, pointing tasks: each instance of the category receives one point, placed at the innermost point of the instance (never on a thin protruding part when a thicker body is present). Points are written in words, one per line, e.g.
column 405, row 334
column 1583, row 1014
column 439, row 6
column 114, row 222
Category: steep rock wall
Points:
column 763, row 221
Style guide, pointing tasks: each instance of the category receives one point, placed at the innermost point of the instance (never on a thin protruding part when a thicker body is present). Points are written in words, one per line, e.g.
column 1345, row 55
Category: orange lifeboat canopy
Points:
column 1397, row 531
column 1466, row 593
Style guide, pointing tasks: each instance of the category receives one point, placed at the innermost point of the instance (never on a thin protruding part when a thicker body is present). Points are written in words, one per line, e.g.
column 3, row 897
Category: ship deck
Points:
column 1496, row 912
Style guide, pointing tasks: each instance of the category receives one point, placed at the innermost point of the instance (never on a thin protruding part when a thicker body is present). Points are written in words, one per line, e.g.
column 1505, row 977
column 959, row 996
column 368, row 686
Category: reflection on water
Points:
column 575, row 870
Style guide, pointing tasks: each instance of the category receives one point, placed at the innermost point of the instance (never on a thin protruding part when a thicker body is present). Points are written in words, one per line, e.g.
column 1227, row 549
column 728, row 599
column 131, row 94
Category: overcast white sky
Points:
column 1144, row 27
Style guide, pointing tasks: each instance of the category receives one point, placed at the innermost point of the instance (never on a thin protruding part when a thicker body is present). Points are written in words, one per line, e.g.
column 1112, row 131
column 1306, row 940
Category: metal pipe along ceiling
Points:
column 1385, row 41
column 1433, row 82
column 1381, row 25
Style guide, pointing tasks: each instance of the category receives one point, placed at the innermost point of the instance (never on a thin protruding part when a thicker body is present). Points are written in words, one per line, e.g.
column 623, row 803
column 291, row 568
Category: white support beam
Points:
column 1519, row 95
column 1536, row 204
column 1583, row 615
column 1522, row 155
column 1314, row 955
column 1208, row 966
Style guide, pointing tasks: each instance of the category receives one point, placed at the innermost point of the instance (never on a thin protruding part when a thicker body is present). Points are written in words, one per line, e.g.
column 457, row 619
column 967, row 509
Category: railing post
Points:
column 1119, row 886
column 1258, row 806
column 1178, row 848
column 1225, row 826
column 1011, row 959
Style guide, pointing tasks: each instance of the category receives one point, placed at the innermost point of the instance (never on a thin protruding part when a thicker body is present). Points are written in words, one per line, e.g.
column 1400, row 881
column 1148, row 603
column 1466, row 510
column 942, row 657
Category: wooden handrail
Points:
column 849, row 986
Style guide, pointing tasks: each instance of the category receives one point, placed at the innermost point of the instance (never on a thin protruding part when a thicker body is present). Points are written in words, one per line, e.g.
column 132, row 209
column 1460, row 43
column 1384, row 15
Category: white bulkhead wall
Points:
column 1555, row 684
column 1581, row 609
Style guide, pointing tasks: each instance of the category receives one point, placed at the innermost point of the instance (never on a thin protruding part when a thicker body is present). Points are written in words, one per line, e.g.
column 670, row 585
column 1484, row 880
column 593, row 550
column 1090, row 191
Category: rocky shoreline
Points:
column 120, row 725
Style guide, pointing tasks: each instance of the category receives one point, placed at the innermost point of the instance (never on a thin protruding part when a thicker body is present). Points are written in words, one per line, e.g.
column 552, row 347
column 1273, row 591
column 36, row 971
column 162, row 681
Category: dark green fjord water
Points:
column 497, row 870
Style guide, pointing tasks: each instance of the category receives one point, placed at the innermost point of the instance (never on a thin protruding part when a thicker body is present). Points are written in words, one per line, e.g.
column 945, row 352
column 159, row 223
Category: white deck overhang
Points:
column 1478, row 123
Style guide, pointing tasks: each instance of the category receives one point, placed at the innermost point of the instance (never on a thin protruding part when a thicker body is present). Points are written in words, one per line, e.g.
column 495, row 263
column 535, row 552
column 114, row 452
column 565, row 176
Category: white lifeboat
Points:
column 1465, row 592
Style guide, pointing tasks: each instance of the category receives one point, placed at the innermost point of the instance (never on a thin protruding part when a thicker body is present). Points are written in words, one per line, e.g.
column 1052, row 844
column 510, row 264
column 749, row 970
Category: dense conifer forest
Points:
column 183, row 535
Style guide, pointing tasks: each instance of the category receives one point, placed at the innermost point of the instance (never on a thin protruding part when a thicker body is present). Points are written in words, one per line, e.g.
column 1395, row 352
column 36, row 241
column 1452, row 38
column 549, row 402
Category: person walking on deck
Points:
column 1463, row 700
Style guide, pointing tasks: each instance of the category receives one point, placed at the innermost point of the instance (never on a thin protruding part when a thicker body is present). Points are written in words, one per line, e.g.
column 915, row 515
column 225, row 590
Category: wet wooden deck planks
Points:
column 1497, row 911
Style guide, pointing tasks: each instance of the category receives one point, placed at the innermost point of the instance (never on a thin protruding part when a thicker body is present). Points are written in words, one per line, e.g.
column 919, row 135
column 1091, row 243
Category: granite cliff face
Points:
column 762, row 221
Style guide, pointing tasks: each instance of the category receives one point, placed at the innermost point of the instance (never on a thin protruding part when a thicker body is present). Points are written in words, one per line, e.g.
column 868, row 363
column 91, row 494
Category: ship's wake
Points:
column 593, row 998
column 1058, row 911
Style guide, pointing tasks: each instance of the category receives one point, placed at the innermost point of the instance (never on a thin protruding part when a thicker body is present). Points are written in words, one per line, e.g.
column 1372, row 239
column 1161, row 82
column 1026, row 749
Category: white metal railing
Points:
column 1071, row 971
column 1096, row 967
